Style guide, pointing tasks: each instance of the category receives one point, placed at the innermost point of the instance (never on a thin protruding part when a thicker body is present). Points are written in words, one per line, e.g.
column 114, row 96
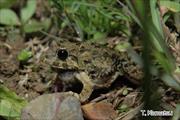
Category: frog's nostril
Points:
column 62, row 54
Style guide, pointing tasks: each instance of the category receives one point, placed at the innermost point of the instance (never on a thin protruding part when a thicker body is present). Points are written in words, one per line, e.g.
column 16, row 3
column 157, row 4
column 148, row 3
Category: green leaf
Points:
column 34, row 26
column 166, row 17
column 125, row 91
column 24, row 55
column 99, row 35
column 140, row 6
column 78, row 29
column 6, row 109
column 177, row 21
column 122, row 46
column 119, row 16
column 171, row 5
column 177, row 70
column 170, row 81
column 156, row 16
column 6, row 3
column 28, row 11
column 176, row 114
column 132, row 13
column 163, row 61
column 10, row 103
column 123, row 108
column 8, row 17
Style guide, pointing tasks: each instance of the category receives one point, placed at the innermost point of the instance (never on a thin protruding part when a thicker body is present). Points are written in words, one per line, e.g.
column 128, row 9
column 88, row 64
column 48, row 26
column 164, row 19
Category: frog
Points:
column 95, row 66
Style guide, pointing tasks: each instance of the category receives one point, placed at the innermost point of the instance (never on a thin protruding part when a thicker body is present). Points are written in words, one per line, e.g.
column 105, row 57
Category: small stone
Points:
column 99, row 111
column 57, row 106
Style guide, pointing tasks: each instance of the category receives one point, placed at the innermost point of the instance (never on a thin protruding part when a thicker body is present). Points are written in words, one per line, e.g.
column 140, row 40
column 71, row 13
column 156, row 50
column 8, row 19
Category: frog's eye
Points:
column 62, row 54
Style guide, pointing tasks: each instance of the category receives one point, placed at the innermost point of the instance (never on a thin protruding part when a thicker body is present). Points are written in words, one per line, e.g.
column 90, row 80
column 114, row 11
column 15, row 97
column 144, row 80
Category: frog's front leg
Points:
column 88, row 86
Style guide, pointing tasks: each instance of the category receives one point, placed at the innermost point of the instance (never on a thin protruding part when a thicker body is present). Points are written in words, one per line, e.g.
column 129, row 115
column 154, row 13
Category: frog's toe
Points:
column 74, row 94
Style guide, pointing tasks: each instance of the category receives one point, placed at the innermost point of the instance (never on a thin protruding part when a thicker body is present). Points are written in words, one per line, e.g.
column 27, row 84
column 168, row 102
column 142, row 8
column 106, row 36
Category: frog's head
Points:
column 65, row 65
column 64, row 61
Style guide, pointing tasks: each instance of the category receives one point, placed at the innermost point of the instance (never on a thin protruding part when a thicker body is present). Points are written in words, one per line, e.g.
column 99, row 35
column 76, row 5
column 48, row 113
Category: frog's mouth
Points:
column 63, row 70
column 64, row 74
